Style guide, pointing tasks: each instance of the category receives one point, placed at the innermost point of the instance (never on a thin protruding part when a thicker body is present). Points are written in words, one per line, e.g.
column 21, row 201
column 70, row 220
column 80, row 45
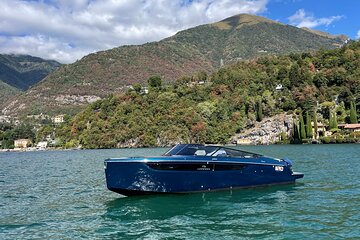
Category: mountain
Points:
column 23, row 71
column 246, row 36
column 203, row 48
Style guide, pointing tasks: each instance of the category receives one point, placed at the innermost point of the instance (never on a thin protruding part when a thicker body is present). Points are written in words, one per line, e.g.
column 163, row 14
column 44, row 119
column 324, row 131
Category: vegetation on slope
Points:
column 6, row 91
column 202, row 48
column 246, row 36
column 230, row 100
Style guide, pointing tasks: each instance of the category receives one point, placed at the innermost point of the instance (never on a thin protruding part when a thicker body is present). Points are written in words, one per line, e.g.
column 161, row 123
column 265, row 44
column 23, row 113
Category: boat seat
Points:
column 200, row 153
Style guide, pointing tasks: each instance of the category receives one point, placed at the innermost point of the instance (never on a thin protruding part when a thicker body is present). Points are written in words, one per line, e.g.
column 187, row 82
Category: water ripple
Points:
column 62, row 195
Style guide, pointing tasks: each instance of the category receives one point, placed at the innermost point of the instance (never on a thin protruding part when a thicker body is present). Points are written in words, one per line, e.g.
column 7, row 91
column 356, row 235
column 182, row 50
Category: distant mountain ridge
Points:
column 23, row 71
column 19, row 72
column 325, row 34
column 202, row 48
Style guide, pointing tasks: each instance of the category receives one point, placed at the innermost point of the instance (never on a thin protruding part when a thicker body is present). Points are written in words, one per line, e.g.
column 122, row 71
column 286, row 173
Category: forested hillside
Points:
column 212, row 108
column 202, row 48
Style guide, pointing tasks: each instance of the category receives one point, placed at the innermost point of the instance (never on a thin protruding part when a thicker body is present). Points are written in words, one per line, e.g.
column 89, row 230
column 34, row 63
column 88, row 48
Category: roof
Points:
column 22, row 140
column 352, row 126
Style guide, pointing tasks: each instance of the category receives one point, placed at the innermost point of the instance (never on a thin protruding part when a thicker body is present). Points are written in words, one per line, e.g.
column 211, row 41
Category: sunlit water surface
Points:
column 62, row 195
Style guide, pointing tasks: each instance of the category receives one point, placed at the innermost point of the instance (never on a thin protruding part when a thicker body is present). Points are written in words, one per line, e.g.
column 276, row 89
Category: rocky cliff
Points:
column 268, row 131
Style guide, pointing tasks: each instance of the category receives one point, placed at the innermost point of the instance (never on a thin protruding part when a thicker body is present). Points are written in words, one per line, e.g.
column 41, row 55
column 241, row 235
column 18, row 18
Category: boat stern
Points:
column 297, row 175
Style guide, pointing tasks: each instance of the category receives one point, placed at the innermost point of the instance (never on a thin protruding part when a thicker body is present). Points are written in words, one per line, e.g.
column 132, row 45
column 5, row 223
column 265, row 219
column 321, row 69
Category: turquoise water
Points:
column 62, row 195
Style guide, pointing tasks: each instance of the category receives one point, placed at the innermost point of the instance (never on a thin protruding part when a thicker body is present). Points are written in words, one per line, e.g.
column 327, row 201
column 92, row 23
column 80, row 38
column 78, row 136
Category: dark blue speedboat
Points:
column 193, row 168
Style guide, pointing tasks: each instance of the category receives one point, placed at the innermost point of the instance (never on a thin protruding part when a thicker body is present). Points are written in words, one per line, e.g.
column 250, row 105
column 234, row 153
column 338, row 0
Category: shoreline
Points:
column 228, row 145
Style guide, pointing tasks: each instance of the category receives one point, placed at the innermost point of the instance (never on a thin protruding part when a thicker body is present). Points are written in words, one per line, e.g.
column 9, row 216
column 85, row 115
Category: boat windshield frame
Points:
column 201, row 150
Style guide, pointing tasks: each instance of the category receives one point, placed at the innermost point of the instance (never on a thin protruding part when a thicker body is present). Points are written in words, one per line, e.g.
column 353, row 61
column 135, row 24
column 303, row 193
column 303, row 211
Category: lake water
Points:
column 62, row 195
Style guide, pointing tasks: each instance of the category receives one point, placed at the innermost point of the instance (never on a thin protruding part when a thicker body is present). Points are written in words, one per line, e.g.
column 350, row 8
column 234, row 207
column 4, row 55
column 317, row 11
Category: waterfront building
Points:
column 21, row 143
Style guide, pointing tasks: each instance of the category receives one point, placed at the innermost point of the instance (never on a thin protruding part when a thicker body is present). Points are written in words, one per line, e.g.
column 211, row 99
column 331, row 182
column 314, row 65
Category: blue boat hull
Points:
column 138, row 178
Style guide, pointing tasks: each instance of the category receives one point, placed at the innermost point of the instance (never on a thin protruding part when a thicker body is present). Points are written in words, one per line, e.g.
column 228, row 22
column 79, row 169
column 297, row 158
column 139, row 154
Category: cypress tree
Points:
column 309, row 133
column 295, row 133
column 332, row 121
column 298, row 131
column 353, row 117
column 302, row 127
column 259, row 112
column 315, row 124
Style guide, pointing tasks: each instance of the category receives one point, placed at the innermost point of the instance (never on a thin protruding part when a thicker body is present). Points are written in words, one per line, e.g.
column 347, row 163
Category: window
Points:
column 213, row 151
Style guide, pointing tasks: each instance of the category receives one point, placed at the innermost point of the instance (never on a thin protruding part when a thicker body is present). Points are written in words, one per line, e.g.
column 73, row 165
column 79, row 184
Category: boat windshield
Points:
column 201, row 150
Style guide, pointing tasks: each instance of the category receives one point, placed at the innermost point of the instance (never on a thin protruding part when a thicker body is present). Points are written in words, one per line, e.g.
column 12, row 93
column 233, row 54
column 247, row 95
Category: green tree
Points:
column 319, row 80
column 309, row 132
column 282, row 74
column 295, row 133
column 201, row 76
column 137, row 87
column 23, row 131
column 315, row 124
column 294, row 75
column 333, row 121
column 259, row 112
column 302, row 127
column 155, row 81
column 8, row 144
column 43, row 132
column 353, row 117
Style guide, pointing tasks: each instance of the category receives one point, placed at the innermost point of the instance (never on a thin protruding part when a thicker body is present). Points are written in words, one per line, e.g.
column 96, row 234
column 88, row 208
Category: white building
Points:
column 21, row 143
column 144, row 90
column 58, row 119
column 42, row 145
column 279, row 87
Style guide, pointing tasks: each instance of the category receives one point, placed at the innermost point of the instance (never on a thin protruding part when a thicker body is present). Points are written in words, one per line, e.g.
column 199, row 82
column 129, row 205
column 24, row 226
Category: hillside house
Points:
column 21, row 143
column 58, row 119
column 321, row 130
column 353, row 127
column 144, row 90
column 40, row 116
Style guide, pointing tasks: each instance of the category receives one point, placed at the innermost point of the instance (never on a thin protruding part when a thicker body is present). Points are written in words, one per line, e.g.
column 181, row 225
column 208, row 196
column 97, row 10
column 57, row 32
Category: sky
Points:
column 67, row 30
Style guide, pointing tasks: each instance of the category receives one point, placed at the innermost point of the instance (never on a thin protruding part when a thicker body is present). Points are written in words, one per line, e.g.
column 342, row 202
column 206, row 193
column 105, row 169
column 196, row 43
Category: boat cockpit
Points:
column 208, row 150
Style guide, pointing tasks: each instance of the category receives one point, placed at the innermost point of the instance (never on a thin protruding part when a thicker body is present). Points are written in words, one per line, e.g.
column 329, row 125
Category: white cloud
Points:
column 66, row 30
column 304, row 19
column 358, row 35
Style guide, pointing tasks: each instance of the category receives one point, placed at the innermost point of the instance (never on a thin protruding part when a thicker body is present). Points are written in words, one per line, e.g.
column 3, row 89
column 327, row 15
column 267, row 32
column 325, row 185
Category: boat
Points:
column 187, row 168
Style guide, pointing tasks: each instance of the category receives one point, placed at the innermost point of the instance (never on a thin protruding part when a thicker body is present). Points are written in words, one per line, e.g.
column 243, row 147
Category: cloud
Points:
column 358, row 35
column 304, row 19
column 66, row 30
